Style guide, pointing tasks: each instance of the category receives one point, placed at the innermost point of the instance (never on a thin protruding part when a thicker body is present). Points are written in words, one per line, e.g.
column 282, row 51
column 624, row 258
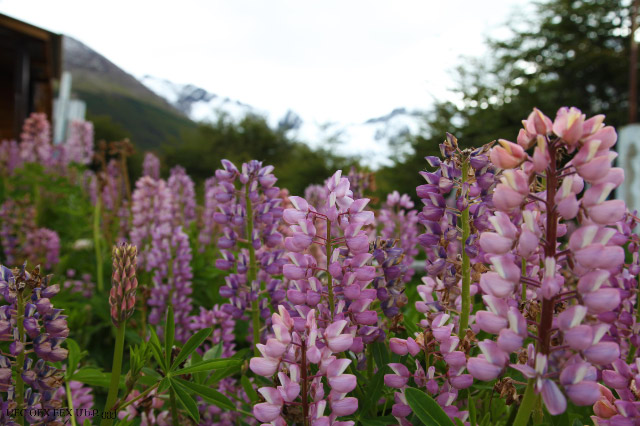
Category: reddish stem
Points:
column 546, row 316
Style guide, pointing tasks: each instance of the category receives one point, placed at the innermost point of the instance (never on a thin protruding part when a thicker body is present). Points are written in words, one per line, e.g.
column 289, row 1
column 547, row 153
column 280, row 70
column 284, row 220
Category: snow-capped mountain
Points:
column 197, row 103
column 372, row 140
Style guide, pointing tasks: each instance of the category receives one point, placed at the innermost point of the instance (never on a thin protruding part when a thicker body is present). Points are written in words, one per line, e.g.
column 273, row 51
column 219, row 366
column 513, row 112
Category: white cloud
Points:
column 334, row 60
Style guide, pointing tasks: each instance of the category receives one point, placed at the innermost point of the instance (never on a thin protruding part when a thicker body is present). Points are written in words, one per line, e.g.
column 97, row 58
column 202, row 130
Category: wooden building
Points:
column 30, row 63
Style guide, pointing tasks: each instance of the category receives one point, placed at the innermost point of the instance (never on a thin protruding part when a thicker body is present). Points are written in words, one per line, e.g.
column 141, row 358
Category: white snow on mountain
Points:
column 372, row 140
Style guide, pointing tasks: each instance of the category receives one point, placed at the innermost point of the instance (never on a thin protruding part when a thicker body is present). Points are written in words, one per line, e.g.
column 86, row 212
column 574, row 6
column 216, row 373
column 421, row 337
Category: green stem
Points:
column 174, row 408
column 466, row 264
column 112, row 396
column 96, row 242
column 329, row 277
column 70, row 403
column 20, row 359
column 142, row 395
column 256, row 323
column 526, row 406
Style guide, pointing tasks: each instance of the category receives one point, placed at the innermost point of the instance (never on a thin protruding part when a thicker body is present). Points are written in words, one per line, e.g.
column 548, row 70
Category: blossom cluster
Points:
column 572, row 292
column 36, row 331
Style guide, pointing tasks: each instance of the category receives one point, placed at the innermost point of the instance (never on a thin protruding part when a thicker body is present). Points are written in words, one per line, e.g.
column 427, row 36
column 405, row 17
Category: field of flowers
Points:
column 509, row 297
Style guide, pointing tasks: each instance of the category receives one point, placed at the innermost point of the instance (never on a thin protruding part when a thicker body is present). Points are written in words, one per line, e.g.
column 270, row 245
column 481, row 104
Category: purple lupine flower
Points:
column 9, row 156
column 82, row 285
column 79, row 146
column 150, row 210
column 183, row 197
column 42, row 246
column 17, row 219
column 587, row 275
column 45, row 328
column 35, row 140
column 255, row 182
column 151, row 166
column 208, row 223
column 172, row 279
column 400, row 222
column 294, row 347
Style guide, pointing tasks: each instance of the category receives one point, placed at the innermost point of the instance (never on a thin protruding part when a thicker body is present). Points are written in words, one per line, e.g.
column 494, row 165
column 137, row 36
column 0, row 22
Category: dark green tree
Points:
column 565, row 53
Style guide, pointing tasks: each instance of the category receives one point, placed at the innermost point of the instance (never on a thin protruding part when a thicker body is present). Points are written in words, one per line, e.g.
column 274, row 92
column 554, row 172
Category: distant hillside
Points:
column 119, row 99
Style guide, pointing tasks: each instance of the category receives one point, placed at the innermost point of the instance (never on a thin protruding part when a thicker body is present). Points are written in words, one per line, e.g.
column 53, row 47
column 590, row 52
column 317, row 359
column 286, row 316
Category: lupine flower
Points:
column 79, row 145
column 42, row 246
column 583, row 279
column 83, row 285
column 10, row 158
column 124, row 283
column 208, row 223
column 151, row 166
column 400, row 221
column 183, row 197
column 294, row 347
column 45, row 329
column 254, row 184
column 17, row 219
column 35, row 140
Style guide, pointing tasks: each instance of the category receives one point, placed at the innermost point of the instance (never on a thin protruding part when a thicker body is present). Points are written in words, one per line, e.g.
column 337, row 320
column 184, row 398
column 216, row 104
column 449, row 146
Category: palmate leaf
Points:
column 212, row 396
column 186, row 400
column 212, row 364
column 191, row 345
column 156, row 349
column 428, row 411
column 373, row 391
column 378, row 421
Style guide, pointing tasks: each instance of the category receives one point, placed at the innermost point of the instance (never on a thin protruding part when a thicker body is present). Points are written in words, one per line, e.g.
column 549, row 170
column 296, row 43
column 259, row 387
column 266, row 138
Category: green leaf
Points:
column 164, row 384
column 471, row 404
column 212, row 364
column 374, row 390
column 156, row 349
column 191, row 345
column 380, row 354
column 426, row 409
column 169, row 333
column 187, row 402
column 222, row 373
column 214, row 352
column 378, row 421
column 458, row 422
column 210, row 395
column 74, row 357
column 94, row 377
column 249, row 390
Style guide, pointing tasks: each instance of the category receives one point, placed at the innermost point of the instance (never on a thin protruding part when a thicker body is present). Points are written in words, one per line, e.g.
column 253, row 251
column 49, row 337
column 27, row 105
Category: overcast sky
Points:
column 331, row 60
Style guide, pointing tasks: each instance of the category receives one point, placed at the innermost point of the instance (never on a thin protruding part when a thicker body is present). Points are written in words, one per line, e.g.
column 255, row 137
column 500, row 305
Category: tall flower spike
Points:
column 123, row 283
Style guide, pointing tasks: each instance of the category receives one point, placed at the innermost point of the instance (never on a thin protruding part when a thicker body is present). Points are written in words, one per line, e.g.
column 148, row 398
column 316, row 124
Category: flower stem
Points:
column 252, row 273
column 112, row 396
column 632, row 350
column 466, row 265
column 526, row 406
column 20, row 360
column 70, row 403
column 142, row 395
column 329, row 277
column 96, row 242
column 305, row 384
